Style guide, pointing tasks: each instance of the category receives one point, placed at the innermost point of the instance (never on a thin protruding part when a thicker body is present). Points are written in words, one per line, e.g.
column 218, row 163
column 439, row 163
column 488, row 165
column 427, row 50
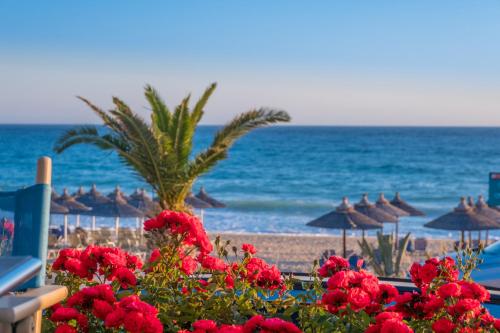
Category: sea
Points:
column 277, row 179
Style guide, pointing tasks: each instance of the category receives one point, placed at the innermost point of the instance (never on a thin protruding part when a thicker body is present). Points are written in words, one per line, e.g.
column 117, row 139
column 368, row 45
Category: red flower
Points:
column 64, row 314
column 154, row 223
column 135, row 316
column 451, row 289
column 205, row 325
column 340, row 280
column 443, row 325
column 248, row 248
column 395, row 326
column 187, row 226
column 65, row 328
column 155, row 255
column 333, row 265
column 335, row 300
column 125, row 277
column 387, row 293
column 463, row 306
column 358, row 298
column 212, row 263
column 278, row 325
column 101, row 309
column 188, row 265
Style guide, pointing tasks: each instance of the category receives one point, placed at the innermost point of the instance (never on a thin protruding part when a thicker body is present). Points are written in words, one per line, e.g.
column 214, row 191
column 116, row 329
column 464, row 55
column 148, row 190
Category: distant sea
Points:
column 277, row 179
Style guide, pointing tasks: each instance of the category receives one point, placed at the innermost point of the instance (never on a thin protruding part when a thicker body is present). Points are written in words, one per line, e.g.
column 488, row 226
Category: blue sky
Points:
column 326, row 62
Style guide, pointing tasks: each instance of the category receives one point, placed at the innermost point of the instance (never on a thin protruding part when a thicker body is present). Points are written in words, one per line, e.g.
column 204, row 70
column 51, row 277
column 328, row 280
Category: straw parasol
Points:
column 345, row 217
column 386, row 206
column 205, row 197
column 483, row 209
column 365, row 207
column 117, row 207
column 142, row 201
column 462, row 218
column 195, row 202
column 118, row 190
column 73, row 206
column 69, row 202
column 401, row 204
column 58, row 209
column 92, row 199
column 80, row 192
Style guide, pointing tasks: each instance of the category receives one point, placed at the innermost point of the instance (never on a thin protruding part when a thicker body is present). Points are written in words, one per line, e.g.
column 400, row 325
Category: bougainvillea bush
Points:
column 189, row 284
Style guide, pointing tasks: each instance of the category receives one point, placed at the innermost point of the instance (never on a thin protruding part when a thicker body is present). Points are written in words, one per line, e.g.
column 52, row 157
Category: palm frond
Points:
column 226, row 137
column 161, row 115
column 197, row 113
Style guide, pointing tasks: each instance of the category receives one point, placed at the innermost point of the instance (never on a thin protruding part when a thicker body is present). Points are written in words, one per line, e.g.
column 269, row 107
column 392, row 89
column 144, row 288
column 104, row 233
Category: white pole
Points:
column 65, row 229
column 78, row 220
column 93, row 223
column 117, row 226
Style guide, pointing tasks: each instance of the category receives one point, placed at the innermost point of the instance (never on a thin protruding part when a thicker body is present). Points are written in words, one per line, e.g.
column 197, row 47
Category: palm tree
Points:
column 160, row 152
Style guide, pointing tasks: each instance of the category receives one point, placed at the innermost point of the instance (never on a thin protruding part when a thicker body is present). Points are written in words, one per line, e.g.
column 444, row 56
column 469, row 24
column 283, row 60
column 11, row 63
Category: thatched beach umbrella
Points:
column 117, row 207
column 483, row 209
column 205, row 197
column 386, row 206
column 118, row 190
column 74, row 207
column 365, row 207
column 57, row 209
column 80, row 192
column 462, row 218
column 345, row 217
column 401, row 204
column 93, row 198
column 142, row 201
column 195, row 202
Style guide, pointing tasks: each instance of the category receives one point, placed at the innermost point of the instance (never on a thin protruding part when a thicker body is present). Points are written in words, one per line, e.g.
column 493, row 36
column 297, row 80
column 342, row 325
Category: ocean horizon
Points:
column 277, row 179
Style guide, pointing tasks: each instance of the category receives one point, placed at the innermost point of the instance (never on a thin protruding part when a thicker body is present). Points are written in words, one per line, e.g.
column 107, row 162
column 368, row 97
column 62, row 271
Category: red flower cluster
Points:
column 112, row 263
column 135, row 316
column 449, row 304
column 249, row 248
column 187, row 226
column 357, row 290
column 333, row 265
column 389, row 322
column 69, row 320
column 261, row 274
column 433, row 270
column 130, row 313
column 255, row 324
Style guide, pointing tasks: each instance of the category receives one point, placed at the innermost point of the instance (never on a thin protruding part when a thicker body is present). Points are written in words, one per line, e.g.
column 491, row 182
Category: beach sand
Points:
column 296, row 253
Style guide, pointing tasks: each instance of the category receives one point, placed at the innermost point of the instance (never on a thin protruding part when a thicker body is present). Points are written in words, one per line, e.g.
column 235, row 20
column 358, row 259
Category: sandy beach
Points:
column 296, row 253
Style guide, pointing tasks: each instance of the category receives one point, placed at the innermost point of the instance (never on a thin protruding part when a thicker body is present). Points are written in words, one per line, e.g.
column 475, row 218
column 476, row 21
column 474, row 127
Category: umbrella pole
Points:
column 486, row 238
column 462, row 241
column 470, row 239
column 363, row 234
column 479, row 237
column 117, row 226
column 396, row 238
column 343, row 244
column 65, row 229
column 77, row 220
column 93, row 223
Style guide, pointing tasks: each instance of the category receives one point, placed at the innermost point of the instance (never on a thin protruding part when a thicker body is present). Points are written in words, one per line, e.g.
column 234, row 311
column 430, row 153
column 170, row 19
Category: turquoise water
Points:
column 277, row 179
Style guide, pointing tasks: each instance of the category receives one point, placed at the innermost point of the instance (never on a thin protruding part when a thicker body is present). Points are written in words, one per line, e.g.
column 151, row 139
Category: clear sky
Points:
column 326, row 62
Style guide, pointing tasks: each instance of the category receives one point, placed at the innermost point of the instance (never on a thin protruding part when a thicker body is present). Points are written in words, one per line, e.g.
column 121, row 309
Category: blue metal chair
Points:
column 31, row 209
